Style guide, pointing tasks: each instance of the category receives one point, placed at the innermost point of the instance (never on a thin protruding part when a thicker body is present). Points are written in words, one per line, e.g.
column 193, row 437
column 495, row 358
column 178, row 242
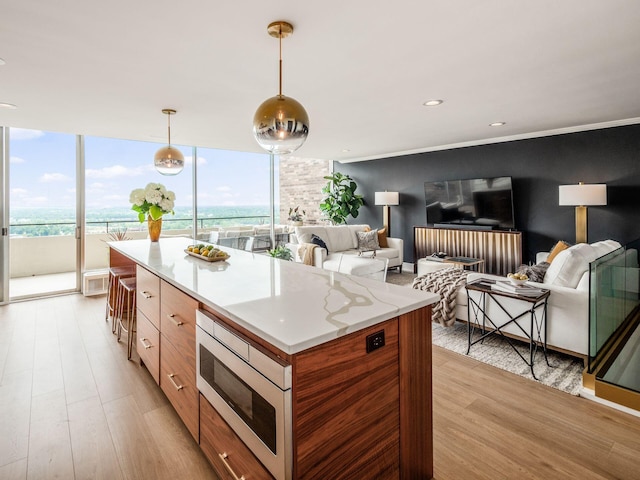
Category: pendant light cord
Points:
column 280, row 83
column 169, row 127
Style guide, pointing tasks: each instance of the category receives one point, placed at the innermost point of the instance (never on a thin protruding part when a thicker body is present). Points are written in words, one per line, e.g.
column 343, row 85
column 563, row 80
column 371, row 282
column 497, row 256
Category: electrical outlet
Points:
column 375, row 341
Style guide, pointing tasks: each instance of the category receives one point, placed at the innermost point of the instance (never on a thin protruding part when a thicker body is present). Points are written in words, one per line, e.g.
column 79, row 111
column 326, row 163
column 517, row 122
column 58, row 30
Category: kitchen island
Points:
column 358, row 352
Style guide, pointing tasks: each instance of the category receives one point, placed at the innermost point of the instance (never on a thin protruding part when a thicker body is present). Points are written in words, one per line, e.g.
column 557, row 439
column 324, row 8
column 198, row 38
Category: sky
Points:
column 42, row 172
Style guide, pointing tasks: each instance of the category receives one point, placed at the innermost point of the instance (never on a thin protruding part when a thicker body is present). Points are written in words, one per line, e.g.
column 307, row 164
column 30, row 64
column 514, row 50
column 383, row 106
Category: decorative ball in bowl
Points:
column 517, row 278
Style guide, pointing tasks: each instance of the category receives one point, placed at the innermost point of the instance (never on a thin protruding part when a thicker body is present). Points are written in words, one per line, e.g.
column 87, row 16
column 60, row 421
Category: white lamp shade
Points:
column 583, row 195
column 387, row 198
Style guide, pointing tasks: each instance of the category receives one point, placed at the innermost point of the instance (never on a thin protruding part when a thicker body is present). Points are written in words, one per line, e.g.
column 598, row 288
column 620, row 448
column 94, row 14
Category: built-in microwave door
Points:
column 256, row 409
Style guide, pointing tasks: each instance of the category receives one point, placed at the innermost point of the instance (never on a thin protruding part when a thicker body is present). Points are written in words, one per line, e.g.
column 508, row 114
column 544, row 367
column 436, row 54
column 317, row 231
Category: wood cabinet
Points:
column 148, row 295
column 226, row 452
column 356, row 412
column 148, row 345
column 178, row 353
column 347, row 408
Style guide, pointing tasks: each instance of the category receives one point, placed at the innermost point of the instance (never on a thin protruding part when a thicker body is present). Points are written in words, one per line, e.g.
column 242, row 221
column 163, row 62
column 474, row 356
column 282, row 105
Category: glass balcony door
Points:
column 4, row 216
column 44, row 238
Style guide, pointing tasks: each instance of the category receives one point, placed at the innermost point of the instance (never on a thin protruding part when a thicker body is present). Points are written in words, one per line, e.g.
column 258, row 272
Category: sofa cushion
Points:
column 567, row 268
column 320, row 231
column 354, row 229
column 316, row 240
column 535, row 273
column 368, row 240
column 605, row 246
column 339, row 238
column 557, row 248
column 382, row 238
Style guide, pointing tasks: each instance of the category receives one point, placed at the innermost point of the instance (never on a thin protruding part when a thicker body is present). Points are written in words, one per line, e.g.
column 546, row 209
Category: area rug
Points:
column 404, row 278
column 565, row 372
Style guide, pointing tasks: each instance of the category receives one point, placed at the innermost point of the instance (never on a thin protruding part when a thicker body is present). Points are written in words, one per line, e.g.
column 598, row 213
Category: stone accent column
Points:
column 301, row 182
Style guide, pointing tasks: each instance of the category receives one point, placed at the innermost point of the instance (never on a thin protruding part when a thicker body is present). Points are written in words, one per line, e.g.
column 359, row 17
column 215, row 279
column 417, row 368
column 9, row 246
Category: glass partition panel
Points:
column 613, row 292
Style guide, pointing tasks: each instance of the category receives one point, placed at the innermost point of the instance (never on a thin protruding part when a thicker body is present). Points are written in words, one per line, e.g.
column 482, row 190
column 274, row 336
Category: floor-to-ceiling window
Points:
column 68, row 195
column 113, row 168
column 234, row 198
column 42, row 211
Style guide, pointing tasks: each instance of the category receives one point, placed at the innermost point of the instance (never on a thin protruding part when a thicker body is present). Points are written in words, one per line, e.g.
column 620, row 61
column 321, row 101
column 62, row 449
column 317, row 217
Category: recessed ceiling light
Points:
column 345, row 150
column 10, row 106
column 2, row 62
column 432, row 103
column 497, row 124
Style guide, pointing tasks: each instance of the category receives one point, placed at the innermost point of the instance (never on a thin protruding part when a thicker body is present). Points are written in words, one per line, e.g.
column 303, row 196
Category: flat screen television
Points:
column 480, row 203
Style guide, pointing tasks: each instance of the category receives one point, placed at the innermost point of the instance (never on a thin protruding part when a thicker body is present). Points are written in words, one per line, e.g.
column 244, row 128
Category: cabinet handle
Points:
column 178, row 387
column 146, row 294
column 145, row 345
column 223, row 457
column 175, row 322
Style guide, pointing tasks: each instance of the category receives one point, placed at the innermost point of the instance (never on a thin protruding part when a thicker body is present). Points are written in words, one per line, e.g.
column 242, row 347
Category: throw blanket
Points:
column 445, row 283
column 305, row 252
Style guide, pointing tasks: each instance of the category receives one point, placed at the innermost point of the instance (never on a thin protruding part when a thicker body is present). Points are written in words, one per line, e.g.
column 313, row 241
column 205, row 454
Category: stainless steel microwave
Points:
column 251, row 391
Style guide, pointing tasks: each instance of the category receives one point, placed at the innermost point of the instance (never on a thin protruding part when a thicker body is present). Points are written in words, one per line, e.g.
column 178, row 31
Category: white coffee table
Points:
column 427, row 266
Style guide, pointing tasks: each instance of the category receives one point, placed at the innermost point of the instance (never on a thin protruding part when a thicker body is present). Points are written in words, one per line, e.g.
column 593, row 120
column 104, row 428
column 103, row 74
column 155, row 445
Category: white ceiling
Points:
column 361, row 68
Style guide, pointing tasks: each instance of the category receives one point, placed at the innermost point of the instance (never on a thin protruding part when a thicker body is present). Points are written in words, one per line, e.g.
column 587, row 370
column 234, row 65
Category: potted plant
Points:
column 340, row 199
column 281, row 252
column 295, row 216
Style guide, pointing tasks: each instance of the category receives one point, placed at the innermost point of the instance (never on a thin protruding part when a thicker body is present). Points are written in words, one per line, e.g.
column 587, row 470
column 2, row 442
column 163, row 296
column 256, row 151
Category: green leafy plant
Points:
column 341, row 199
column 119, row 235
column 281, row 252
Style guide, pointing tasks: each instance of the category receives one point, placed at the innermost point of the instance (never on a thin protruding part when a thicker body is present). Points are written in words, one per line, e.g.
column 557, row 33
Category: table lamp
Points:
column 581, row 196
column 387, row 199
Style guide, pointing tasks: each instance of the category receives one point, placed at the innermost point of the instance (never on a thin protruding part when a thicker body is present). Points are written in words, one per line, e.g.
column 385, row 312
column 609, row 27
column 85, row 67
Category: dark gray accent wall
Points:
column 538, row 166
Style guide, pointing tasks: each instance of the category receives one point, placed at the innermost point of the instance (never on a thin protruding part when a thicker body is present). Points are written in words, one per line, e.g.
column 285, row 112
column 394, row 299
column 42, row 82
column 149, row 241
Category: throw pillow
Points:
column 534, row 272
column 318, row 241
column 305, row 237
column 382, row 238
column 557, row 248
column 368, row 240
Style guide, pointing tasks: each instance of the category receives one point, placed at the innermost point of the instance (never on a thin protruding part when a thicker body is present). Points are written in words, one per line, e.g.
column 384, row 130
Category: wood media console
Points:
column 500, row 250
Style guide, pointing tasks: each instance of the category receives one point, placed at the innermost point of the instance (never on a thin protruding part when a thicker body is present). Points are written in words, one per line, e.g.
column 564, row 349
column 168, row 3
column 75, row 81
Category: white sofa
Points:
column 342, row 240
column 568, row 306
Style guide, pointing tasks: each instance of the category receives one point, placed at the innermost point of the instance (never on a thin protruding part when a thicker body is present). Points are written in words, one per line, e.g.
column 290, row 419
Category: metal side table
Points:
column 534, row 307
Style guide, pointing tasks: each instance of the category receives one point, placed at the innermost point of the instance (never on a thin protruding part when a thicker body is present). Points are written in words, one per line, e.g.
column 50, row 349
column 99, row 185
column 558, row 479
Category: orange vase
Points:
column 155, row 227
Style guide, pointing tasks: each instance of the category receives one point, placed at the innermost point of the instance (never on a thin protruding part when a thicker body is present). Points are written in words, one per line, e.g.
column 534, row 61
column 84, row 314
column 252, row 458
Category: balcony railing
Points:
column 56, row 253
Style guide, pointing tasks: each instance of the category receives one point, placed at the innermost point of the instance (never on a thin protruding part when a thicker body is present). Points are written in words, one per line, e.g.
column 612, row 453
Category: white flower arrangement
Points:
column 153, row 200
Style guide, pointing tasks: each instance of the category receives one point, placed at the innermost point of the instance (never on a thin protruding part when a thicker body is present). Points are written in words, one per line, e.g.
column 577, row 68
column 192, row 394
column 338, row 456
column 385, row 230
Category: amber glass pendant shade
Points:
column 169, row 160
column 280, row 124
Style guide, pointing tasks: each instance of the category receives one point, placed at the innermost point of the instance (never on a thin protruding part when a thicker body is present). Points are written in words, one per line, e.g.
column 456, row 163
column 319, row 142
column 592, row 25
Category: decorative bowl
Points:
column 518, row 278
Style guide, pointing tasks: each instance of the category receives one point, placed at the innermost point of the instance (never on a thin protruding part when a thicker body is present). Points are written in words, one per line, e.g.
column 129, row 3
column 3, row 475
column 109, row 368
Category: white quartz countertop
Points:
column 290, row 305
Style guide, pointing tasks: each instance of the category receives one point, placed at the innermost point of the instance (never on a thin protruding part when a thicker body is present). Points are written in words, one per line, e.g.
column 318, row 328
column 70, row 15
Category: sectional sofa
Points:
column 567, row 277
column 342, row 240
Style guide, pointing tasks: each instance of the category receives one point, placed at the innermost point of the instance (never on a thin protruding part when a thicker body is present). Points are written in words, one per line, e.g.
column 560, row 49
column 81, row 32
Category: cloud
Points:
column 224, row 188
column 19, row 192
column 54, row 177
column 16, row 160
column 24, row 134
column 188, row 160
column 115, row 171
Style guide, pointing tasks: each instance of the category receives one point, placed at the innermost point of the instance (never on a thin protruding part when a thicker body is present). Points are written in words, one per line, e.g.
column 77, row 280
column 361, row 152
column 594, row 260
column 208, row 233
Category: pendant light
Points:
column 169, row 160
column 280, row 124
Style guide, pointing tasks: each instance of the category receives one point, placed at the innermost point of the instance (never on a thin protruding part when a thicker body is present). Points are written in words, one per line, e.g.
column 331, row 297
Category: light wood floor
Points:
column 72, row 406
